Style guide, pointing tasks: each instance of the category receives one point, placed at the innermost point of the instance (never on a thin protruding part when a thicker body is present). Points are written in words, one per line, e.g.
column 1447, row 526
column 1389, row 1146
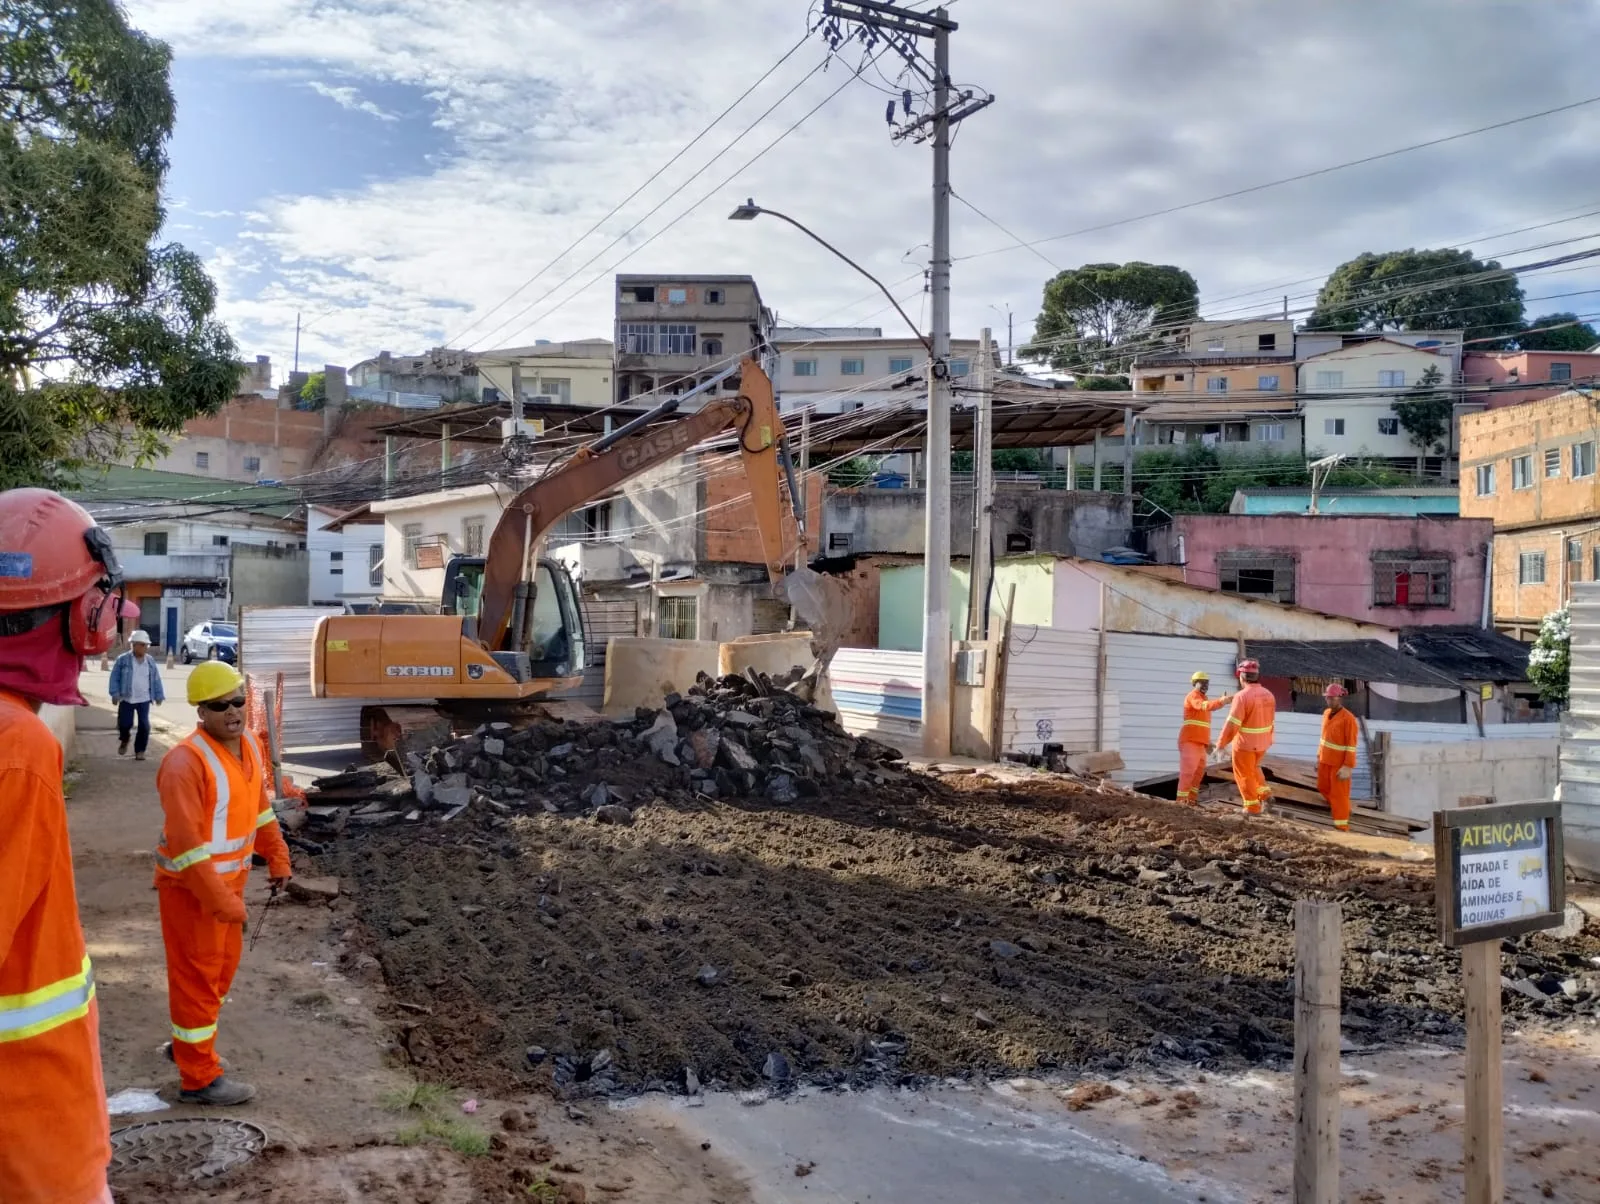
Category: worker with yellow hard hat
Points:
column 1194, row 736
column 217, row 813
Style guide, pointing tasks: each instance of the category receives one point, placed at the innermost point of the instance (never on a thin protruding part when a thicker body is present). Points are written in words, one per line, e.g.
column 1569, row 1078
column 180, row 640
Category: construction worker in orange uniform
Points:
column 217, row 812
column 58, row 603
column 1194, row 737
column 1249, row 731
column 1336, row 755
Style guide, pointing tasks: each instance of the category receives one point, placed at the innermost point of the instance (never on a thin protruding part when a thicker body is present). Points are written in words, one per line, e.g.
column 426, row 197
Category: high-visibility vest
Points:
column 234, row 802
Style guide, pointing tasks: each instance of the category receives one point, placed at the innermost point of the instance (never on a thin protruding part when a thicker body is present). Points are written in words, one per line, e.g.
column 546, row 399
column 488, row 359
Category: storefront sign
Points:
column 1500, row 871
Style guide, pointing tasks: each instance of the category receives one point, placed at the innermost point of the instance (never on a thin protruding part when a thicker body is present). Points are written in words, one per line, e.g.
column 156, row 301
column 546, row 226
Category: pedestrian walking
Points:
column 135, row 684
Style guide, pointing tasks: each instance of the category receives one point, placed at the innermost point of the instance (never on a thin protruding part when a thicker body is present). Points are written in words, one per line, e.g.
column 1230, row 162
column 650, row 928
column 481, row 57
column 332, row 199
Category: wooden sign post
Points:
column 1318, row 957
column 1499, row 872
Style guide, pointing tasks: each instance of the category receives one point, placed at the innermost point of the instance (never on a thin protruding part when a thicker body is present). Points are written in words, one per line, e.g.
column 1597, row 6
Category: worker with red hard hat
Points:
column 1194, row 736
column 59, row 602
column 1336, row 755
column 1249, row 731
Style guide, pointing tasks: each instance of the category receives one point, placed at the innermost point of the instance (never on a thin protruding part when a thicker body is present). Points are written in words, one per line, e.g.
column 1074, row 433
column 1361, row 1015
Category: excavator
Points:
column 510, row 631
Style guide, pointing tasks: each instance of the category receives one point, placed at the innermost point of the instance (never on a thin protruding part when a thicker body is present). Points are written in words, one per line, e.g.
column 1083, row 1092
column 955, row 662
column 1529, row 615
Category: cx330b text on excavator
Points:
column 510, row 629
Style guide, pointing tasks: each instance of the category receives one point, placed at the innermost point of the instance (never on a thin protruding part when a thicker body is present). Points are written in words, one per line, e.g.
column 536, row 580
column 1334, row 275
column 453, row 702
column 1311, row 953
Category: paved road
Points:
column 945, row 1146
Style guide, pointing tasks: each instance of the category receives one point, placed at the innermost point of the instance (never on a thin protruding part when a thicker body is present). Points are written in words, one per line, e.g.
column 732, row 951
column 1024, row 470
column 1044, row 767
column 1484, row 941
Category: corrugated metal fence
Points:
column 1578, row 787
column 1050, row 692
column 879, row 694
column 1152, row 673
column 277, row 639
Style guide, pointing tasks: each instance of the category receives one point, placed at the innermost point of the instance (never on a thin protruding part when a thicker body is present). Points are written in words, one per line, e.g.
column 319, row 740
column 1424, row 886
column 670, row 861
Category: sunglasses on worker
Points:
column 224, row 704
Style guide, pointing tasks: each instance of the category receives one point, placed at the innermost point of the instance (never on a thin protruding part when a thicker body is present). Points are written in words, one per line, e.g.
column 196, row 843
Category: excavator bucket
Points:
column 824, row 608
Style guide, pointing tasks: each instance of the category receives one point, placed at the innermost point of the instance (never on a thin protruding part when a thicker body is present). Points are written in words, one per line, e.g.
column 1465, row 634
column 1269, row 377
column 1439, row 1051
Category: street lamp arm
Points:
column 817, row 238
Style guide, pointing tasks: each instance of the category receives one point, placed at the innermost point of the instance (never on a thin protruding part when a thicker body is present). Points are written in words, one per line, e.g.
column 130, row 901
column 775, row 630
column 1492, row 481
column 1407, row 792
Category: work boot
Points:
column 223, row 1092
column 138, row 756
column 166, row 1052
column 122, row 748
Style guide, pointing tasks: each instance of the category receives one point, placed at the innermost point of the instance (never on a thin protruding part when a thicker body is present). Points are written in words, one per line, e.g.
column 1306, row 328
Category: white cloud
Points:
column 560, row 108
column 347, row 97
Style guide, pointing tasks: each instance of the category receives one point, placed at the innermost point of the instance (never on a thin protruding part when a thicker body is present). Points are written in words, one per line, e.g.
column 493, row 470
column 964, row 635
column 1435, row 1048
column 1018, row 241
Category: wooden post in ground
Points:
column 1100, row 678
column 1317, row 963
column 269, row 699
column 1484, row 1157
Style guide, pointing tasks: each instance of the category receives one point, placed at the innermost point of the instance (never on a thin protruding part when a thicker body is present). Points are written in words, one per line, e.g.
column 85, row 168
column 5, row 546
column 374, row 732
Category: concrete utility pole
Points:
column 982, row 492
column 885, row 22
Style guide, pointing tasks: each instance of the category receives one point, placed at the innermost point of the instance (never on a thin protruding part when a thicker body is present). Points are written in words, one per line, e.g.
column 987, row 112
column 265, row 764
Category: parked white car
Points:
column 214, row 639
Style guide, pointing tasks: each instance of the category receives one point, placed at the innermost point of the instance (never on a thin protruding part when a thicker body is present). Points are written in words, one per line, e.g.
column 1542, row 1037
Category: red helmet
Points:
column 1249, row 667
column 53, row 555
column 1335, row 691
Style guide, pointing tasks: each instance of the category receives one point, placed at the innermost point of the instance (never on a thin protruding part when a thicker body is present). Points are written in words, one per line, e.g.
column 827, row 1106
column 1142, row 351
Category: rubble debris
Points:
column 313, row 890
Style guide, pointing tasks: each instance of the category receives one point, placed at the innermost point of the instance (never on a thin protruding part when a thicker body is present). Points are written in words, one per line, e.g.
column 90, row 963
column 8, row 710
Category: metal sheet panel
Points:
column 879, row 694
column 274, row 639
column 603, row 621
column 1049, row 692
column 1152, row 672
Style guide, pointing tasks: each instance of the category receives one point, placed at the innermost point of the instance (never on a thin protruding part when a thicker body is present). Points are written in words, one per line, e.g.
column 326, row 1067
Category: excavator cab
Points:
column 554, row 644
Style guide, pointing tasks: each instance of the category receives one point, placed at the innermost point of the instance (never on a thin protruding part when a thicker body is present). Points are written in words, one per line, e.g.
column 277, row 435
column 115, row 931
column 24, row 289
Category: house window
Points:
column 155, row 543
column 1530, row 568
column 1178, row 377
column 593, row 522
column 1575, row 560
column 202, row 460
column 679, row 617
column 1330, row 380
column 1333, row 426
column 1259, row 576
column 677, row 296
column 715, row 296
column 1266, row 342
column 219, row 541
column 712, row 348
column 805, row 367
column 252, row 463
column 1552, row 462
column 1267, row 384
column 959, row 368
column 899, row 364
column 1216, row 346
column 640, row 292
column 637, row 338
column 1269, row 432
column 336, row 564
column 375, row 565
column 1391, row 380
column 1216, row 384
column 1583, row 459
column 1560, row 371
column 1403, row 579
column 852, row 367
column 1236, row 432
column 1522, row 472
column 1594, row 568
column 676, row 338
column 1388, row 426
column 472, row 536
column 411, row 537
column 1486, row 480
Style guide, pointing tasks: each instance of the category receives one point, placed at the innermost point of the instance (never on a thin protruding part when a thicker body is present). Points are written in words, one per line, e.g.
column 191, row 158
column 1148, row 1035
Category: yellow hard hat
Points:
column 213, row 679
column 1199, row 676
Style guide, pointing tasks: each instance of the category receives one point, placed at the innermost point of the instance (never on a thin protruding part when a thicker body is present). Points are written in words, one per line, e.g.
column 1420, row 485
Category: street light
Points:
column 749, row 211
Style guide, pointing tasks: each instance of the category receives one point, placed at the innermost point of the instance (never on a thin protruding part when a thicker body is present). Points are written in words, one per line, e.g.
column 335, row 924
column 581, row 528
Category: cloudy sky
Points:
column 394, row 170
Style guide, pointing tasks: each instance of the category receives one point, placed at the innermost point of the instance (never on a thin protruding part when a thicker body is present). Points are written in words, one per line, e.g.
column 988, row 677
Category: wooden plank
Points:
column 1485, row 1157
column 1317, row 964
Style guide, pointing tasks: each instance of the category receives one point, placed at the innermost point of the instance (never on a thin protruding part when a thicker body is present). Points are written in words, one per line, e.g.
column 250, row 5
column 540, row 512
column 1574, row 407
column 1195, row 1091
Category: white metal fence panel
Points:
column 1584, row 615
column 879, row 694
column 1152, row 673
column 277, row 639
column 603, row 622
column 1050, row 692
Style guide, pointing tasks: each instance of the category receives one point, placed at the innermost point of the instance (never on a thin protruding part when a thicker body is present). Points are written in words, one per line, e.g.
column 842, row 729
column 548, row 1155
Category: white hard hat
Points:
column 139, row 636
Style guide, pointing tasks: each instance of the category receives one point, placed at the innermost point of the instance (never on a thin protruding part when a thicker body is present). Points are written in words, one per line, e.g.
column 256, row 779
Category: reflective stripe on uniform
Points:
column 1205, row 723
column 1339, row 747
column 183, row 861
column 193, row 1036
column 36, row 1012
column 220, row 845
column 1233, row 719
column 219, row 817
column 1255, row 731
column 266, row 817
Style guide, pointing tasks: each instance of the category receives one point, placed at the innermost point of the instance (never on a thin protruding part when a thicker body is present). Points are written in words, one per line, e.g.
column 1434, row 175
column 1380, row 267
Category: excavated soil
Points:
column 941, row 927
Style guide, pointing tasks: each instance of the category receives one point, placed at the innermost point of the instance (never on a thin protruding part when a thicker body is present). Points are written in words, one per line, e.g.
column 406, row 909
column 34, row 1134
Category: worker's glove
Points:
column 234, row 912
column 1344, row 773
column 1220, row 757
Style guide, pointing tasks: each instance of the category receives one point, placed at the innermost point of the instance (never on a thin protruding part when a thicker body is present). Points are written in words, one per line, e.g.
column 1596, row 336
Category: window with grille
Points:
column 1216, row 384
column 252, row 463
column 805, row 367
column 1405, row 579
column 472, row 536
column 336, row 564
column 375, row 565
column 1552, row 462
column 594, row 522
column 1560, row 371
column 1530, row 568
column 202, row 459
column 1391, row 379
column 411, row 537
column 852, row 366
column 155, row 543
column 1330, row 380
column 1269, row 432
column 637, row 338
column 1388, row 426
column 1267, row 384
column 1257, row 575
column 679, row 617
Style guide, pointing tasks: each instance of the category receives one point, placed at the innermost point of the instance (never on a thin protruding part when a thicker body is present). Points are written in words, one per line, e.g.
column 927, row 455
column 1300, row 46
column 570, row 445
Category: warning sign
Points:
column 1500, row 870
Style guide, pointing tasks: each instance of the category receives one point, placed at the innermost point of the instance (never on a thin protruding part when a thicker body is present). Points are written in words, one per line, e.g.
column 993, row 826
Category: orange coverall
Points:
column 1337, row 751
column 55, row 1138
column 1249, row 730
column 216, row 812
column 1193, row 738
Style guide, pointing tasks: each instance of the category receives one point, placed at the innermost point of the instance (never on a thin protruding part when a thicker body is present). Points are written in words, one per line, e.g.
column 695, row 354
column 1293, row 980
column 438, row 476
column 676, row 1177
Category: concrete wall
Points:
column 578, row 379
column 63, row 725
column 890, row 521
column 900, row 606
column 972, row 707
column 641, row 672
column 826, row 359
column 727, row 528
column 1499, row 436
column 347, row 579
column 1333, row 558
column 268, row 577
column 1360, row 366
column 1420, row 779
column 1531, row 368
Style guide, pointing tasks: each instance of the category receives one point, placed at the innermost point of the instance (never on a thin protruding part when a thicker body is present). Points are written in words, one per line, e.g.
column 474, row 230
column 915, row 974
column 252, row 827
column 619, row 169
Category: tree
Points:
column 1102, row 384
column 1441, row 289
column 107, row 339
column 853, row 473
column 1550, row 658
column 1557, row 332
column 314, row 393
column 1426, row 415
column 1100, row 315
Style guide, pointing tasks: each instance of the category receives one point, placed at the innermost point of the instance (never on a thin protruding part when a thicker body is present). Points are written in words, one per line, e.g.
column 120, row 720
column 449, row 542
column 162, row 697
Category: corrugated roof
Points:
column 1200, row 411
column 1360, row 660
column 1354, row 491
column 1468, row 654
column 134, row 491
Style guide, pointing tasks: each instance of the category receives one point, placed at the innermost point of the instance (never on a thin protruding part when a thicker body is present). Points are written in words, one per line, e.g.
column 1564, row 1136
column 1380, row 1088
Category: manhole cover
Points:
column 185, row 1147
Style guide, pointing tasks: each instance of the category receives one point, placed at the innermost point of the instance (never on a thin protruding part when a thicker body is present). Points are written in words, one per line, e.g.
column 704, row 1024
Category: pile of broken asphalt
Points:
column 733, row 891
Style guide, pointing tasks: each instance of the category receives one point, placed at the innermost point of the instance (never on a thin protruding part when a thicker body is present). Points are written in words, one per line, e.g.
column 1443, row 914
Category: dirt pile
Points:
column 877, row 929
column 729, row 737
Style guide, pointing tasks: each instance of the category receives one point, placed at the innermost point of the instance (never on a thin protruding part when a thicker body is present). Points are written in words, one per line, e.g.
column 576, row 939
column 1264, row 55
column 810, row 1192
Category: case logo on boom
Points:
column 421, row 670
column 653, row 448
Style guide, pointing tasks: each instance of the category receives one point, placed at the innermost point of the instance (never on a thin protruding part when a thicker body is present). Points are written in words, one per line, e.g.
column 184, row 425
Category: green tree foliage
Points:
column 314, row 393
column 107, row 339
column 1557, row 332
column 1103, row 384
column 1550, row 658
column 1004, row 459
column 1426, row 415
column 853, row 473
column 1196, row 479
column 1442, row 289
column 1102, row 314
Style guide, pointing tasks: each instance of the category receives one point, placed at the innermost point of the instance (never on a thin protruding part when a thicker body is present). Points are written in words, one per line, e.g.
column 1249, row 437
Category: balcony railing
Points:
column 186, row 566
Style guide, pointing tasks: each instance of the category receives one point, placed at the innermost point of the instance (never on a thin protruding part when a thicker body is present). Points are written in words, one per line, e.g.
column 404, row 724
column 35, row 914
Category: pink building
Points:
column 1540, row 373
column 1407, row 571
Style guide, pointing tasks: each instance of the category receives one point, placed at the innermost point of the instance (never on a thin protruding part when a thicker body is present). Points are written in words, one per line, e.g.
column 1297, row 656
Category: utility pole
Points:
column 982, row 493
column 902, row 30
column 1320, row 470
column 297, row 340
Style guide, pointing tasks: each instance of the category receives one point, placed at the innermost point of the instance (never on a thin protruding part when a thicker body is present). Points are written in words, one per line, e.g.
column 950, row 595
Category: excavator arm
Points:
column 594, row 470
